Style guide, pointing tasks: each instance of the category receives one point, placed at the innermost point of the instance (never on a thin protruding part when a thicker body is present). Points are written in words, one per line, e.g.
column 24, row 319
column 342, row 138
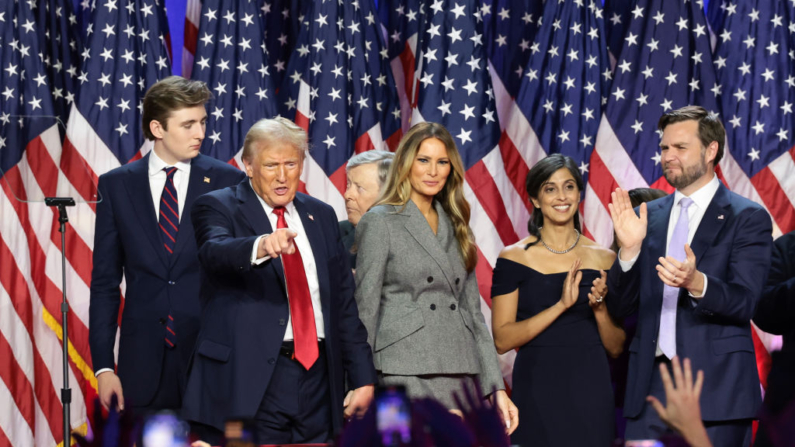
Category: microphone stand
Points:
column 66, row 392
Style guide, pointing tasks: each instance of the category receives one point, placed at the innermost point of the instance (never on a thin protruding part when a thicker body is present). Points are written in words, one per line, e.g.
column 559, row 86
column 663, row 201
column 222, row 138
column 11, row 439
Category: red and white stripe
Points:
column 315, row 182
column 30, row 296
column 193, row 13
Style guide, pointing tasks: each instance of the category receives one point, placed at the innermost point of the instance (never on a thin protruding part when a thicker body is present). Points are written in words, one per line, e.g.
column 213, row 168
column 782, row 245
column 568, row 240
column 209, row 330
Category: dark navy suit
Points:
column 732, row 246
column 127, row 242
column 246, row 310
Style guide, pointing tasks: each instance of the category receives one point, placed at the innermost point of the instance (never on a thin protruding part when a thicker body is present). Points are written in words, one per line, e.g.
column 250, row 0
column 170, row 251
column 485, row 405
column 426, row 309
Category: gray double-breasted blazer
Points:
column 420, row 306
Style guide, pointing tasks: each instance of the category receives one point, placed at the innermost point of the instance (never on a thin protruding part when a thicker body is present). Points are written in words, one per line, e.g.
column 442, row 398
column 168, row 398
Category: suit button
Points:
column 171, row 283
column 654, row 342
column 162, row 321
column 240, row 268
column 433, row 306
column 457, row 280
column 452, row 306
column 271, row 361
column 282, row 322
column 430, row 279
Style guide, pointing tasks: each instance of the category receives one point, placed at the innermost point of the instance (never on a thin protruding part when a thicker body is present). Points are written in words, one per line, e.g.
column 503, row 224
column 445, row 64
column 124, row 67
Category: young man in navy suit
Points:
column 280, row 328
column 144, row 233
column 693, row 265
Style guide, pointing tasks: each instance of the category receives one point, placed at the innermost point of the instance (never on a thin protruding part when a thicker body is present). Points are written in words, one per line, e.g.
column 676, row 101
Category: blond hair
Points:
column 274, row 130
column 397, row 190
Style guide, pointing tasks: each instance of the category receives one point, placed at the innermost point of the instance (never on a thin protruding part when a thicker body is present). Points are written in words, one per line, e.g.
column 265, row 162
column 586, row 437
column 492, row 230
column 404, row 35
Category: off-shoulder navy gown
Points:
column 561, row 379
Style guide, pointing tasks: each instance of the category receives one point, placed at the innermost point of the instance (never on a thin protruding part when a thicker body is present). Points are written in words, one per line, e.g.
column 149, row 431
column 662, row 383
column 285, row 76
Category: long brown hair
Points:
column 397, row 190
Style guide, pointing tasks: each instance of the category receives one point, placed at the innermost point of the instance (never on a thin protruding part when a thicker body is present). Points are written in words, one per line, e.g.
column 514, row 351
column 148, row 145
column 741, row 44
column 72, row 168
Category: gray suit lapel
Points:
column 419, row 229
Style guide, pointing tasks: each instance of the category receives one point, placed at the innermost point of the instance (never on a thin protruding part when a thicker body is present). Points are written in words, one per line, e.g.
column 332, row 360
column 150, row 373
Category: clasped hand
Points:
column 681, row 274
column 277, row 243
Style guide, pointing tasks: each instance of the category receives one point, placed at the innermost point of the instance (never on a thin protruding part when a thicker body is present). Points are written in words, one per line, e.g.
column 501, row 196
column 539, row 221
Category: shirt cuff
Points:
column 627, row 265
column 704, row 291
column 254, row 259
column 96, row 374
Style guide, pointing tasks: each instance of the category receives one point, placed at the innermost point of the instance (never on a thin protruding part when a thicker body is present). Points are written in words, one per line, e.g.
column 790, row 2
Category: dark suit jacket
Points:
column 127, row 242
column 348, row 235
column 776, row 312
column 245, row 308
column 732, row 247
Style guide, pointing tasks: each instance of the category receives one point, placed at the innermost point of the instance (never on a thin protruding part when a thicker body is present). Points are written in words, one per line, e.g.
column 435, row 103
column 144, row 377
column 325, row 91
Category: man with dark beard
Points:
column 693, row 265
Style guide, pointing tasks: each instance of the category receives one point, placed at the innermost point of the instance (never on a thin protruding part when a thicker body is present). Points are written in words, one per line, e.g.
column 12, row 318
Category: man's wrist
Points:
column 102, row 371
column 696, row 289
column 629, row 252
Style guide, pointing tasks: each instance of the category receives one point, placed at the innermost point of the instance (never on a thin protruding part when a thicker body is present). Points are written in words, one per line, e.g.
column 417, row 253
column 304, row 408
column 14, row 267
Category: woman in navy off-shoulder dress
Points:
column 548, row 297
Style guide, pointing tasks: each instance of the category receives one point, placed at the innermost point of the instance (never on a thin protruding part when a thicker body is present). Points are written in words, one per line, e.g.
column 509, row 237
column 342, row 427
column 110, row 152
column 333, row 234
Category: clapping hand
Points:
column 681, row 274
column 630, row 228
column 571, row 285
column 598, row 292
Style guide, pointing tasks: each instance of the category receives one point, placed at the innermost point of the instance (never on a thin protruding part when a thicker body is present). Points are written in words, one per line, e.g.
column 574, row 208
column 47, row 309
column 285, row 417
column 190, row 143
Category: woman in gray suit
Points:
column 415, row 281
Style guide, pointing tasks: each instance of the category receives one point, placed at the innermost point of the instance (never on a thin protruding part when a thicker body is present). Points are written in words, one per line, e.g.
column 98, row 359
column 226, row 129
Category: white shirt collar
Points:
column 290, row 207
column 703, row 196
column 156, row 164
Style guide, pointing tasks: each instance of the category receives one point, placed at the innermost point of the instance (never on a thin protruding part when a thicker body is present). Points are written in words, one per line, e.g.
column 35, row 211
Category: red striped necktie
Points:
column 169, row 211
column 301, row 311
column 169, row 226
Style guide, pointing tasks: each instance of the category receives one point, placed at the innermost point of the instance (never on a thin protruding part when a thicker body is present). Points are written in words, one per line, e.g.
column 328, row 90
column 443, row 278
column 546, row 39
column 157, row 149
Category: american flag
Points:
column 401, row 25
column 665, row 63
column 231, row 58
column 756, row 76
column 755, row 62
column 339, row 87
column 30, row 279
column 60, row 44
column 280, row 22
column 193, row 10
column 509, row 29
column 618, row 14
column 566, row 83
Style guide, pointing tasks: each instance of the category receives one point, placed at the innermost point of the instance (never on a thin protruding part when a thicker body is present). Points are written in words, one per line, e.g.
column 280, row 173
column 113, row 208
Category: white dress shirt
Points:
column 302, row 242
column 695, row 212
column 157, row 181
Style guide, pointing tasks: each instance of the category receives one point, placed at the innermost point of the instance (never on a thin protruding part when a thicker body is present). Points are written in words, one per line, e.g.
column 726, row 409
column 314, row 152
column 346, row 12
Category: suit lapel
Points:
column 712, row 223
column 253, row 214
column 420, row 230
column 657, row 235
column 199, row 170
column 140, row 193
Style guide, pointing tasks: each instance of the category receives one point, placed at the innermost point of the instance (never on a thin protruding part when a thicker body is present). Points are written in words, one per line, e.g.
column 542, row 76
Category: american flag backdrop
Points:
column 339, row 87
column 30, row 278
column 231, row 58
column 755, row 63
column 513, row 80
column 279, row 28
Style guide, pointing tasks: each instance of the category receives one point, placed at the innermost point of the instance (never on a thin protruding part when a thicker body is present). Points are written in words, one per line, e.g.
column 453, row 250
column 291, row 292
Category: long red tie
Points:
column 301, row 312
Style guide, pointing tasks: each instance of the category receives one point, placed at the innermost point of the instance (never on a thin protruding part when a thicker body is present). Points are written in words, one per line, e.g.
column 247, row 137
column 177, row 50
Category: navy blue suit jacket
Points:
column 246, row 310
column 732, row 247
column 127, row 242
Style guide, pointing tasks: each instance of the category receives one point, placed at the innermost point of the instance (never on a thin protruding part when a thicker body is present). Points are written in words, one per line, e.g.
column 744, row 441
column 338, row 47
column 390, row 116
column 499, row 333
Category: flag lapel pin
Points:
column 311, row 217
column 206, row 179
column 720, row 217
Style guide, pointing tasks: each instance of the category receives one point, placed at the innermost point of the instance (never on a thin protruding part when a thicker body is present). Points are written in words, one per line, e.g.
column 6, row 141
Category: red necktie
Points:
column 301, row 312
column 169, row 226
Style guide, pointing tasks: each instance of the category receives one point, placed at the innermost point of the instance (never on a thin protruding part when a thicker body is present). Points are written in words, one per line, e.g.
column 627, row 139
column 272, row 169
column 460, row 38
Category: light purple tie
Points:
column 676, row 249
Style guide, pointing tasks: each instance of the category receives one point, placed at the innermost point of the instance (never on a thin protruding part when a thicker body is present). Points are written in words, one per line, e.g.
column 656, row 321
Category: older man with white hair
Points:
column 366, row 175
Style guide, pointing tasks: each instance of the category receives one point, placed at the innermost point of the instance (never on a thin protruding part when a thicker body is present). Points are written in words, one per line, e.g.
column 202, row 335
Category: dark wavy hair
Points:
column 536, row 178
